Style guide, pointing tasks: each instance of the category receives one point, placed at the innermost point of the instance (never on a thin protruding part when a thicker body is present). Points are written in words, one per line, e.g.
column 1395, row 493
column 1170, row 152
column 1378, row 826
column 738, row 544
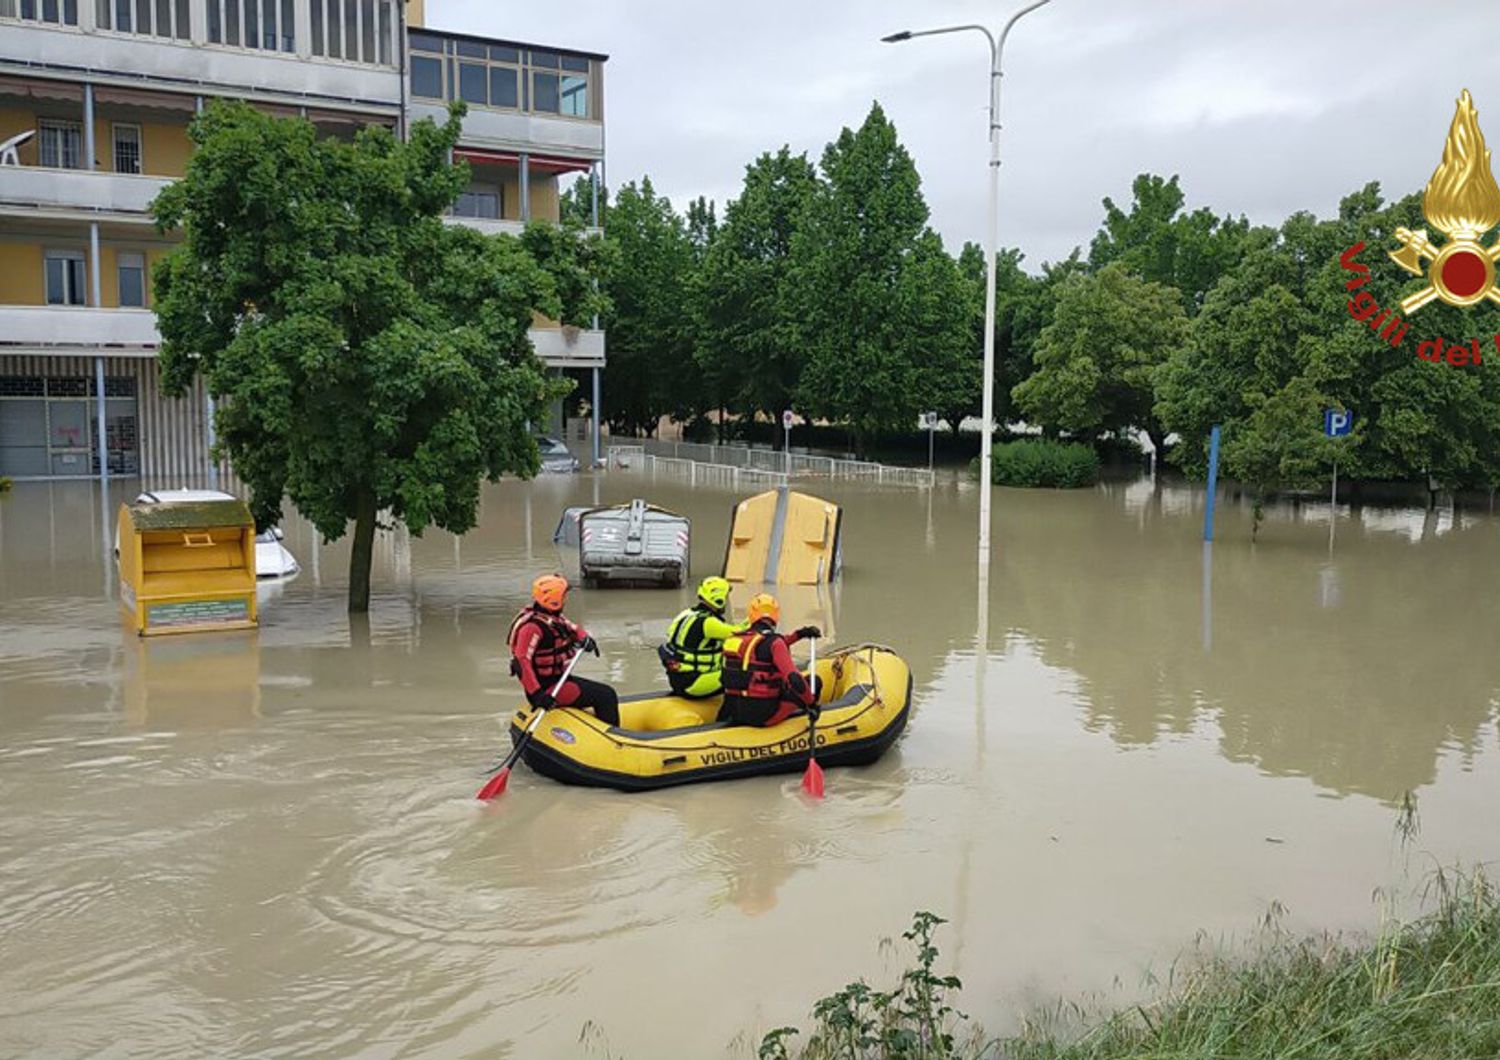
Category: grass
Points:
column 1427, row 988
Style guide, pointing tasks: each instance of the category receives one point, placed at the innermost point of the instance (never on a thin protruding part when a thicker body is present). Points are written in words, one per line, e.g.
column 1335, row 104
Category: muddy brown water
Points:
column 266, row 844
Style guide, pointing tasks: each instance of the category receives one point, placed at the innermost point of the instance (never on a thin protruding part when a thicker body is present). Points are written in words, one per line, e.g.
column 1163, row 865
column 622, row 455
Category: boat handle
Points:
column 197, row 540
column 675, row 760
column 846, row 730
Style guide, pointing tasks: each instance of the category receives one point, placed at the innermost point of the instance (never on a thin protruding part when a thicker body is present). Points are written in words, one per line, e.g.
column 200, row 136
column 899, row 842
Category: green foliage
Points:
column 365, row 356
column 1429, row 988
column 1044, row 462
column 873, row 289
column 651, row 335
column 750, row 355
column 577, row 263
column 1283, row 314
column 5, row 484
column 911, row 1021
column 1096, row 361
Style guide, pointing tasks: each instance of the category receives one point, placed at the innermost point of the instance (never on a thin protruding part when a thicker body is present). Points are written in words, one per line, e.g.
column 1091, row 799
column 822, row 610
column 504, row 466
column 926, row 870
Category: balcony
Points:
column 128, row 58
column 568, row 347
column 516, row 131
column 490, row 226
column 36, row 192
column 127, row 332
column 132, row 333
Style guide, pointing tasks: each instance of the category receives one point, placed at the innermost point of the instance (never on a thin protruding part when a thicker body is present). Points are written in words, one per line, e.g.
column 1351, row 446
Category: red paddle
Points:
column 496, row 784
column 812, row 780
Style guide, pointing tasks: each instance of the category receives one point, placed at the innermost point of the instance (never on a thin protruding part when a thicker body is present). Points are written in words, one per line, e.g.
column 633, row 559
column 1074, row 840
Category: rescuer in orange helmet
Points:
column 761, row 686
column 542, row 642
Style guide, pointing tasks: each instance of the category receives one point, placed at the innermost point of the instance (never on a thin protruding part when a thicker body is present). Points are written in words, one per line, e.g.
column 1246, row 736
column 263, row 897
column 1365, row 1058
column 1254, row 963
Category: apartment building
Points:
column 95, row 98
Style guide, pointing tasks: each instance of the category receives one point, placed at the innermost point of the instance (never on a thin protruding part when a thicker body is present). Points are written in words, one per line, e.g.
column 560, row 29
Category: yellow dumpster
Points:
column 784, row 538
column 187, row 566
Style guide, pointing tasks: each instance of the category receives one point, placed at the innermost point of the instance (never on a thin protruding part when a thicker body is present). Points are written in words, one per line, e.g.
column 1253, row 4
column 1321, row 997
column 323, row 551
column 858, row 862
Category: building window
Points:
column 149, row 18
column 267, row 25
column 65, row 277
column 356, row 30
column 575, row 96
column 426, row 77
column 480, row 200
column 127, row 148
column 61, row 144
column 132, row 269
column 544, row 95
column 499, row 76
column 58, row 12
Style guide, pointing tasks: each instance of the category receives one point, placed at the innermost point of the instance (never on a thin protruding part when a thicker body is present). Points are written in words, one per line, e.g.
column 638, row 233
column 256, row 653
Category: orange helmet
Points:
column 549, row 591
column 763, row 605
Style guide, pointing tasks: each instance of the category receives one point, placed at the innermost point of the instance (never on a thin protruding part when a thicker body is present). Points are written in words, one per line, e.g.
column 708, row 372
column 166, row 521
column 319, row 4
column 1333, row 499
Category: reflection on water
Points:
column 265, row 843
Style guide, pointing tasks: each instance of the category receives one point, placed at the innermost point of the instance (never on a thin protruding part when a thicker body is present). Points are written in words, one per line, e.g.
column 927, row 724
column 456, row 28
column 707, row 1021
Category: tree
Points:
column 749, row 351
column 365, row 355
column 1096, row 360
column 578, row 263
column 651, row 335
column 1160, row 244
column 856, row 256
column 1280, row 445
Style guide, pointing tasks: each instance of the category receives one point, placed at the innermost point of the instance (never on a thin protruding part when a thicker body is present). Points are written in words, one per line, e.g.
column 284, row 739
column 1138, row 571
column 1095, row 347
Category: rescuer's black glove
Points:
column 809, row 632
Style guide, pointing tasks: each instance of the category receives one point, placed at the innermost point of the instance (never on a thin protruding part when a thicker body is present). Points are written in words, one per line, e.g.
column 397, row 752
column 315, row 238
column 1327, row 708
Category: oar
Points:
column 812, row 780
column 496, row 784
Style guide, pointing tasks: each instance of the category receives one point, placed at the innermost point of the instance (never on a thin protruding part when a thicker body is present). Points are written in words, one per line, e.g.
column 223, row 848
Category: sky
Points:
column 1262, row 107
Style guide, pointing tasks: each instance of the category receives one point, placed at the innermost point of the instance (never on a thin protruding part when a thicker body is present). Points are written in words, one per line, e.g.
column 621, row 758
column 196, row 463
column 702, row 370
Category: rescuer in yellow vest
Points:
column 693, row 654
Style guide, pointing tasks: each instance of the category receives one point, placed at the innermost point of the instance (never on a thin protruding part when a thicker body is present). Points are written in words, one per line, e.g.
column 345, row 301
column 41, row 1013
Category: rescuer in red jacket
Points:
column 542, row 642
column 761, row 686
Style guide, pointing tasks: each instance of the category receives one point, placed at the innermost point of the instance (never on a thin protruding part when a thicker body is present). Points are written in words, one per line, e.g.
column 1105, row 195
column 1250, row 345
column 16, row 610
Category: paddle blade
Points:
column 496, row 784
column 812, row 780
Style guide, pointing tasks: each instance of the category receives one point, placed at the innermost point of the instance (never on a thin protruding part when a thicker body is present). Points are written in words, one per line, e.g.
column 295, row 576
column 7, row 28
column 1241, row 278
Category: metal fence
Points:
column 761, row 465
column 698, row 473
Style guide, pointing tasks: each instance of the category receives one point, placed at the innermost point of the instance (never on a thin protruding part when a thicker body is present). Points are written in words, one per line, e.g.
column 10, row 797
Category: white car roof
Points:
column 160, row 496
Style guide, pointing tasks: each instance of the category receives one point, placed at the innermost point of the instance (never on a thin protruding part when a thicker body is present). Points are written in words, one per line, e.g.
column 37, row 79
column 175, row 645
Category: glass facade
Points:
column 148, row 18
column 49, row 426
column 500, row 76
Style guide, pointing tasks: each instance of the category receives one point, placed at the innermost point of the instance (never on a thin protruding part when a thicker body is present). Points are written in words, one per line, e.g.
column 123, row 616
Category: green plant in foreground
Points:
column 911, row 1021
column 1427, row 988
column 5, row 483
column 1043, row 462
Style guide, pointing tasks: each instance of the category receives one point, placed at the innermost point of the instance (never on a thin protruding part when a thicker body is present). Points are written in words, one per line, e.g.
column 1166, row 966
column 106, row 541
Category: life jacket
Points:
column 749, row 669
column 688, row 648
column 553, row 648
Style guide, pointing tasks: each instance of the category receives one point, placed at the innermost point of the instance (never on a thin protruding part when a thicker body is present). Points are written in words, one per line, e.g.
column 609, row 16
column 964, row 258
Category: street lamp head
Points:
column 896, row 38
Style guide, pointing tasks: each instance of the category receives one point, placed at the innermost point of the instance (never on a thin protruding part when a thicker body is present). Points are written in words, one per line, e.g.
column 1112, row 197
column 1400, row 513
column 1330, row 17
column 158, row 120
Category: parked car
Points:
column 556, row 458
column 272, row 560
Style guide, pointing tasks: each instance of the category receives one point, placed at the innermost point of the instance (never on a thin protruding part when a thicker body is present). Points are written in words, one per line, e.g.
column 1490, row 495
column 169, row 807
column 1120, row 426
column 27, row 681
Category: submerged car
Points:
column 272, row 560
column 556, row 458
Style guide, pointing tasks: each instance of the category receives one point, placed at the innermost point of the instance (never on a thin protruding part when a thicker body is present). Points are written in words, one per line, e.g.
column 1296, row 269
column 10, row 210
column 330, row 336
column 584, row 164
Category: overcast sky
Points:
column 1263, row 107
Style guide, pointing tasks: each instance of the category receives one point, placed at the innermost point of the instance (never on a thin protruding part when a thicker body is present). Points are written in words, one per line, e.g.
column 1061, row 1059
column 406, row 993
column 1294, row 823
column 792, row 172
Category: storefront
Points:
column 49, row 421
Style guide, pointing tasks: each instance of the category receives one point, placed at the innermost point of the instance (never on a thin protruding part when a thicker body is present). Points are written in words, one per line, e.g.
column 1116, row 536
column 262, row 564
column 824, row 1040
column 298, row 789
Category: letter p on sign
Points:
column 1337, row 422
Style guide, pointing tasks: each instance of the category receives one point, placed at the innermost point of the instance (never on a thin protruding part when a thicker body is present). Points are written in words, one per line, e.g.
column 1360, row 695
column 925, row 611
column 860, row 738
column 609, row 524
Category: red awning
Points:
column 540, row 163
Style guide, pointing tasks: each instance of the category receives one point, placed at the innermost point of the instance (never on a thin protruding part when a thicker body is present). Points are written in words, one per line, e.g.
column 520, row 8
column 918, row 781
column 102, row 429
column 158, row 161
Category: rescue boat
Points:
column 664, row 739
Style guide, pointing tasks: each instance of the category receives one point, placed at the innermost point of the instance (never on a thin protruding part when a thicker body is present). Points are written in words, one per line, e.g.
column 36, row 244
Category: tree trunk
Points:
column 362, row 554
column 1159, row 444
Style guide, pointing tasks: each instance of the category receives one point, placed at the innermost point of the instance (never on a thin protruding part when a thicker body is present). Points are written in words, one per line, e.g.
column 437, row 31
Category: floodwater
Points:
column 265, row 844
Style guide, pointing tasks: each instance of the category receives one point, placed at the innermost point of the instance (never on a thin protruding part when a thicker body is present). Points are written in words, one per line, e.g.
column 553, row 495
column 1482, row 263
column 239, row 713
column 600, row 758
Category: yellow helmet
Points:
column 763, row 605
column 714, row 592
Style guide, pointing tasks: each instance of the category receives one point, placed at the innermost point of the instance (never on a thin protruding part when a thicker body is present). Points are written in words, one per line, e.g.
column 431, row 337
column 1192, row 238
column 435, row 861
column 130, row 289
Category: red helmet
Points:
column 550, row 591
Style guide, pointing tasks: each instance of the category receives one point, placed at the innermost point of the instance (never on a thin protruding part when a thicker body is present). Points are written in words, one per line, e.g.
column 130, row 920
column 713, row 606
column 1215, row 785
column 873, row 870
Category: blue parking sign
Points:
column 1337, row 422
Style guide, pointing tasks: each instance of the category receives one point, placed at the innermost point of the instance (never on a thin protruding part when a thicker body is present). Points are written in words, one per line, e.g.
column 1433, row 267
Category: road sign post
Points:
column 929, row 420
column 1213, row 483
column 1337, row 423
column 786, row 430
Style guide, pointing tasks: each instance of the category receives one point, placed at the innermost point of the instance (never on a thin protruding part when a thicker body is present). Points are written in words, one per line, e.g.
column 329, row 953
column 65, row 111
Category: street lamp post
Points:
column 997, row 48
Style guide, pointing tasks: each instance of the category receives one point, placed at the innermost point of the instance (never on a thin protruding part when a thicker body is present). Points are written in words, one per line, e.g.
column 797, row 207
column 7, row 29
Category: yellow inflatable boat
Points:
column 664, row 739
